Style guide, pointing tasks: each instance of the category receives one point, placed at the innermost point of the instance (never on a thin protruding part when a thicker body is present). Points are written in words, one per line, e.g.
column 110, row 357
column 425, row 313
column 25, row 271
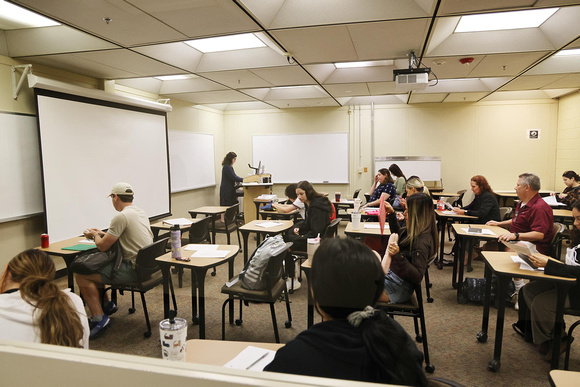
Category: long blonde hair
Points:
column 57, row 318
column 421, row 219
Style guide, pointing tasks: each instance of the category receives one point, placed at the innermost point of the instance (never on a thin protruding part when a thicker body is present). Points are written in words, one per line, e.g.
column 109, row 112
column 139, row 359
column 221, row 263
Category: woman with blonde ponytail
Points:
column 34, row 309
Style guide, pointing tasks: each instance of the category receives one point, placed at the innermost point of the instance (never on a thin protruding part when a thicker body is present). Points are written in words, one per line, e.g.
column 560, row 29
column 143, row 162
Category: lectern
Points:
column 255, row 186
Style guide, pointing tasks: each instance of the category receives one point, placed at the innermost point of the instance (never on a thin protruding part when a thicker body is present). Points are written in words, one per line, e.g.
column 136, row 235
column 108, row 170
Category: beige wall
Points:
column 568, row 144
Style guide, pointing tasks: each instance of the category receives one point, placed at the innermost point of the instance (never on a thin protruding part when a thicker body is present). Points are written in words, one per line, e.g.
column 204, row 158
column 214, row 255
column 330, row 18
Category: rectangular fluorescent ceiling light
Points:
column 13, row 17
column 226, row 43
column 175, row 77
column 348, row 65
column 504, row 20
column 575, row 51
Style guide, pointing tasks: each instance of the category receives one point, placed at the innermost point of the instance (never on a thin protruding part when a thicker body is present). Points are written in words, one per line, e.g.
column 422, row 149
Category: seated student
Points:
column 383, row 183
column 354, row 341
column 401, row 180
column 295, row 203
column 34, row 309
column 318, row 214
column 571, row 193
column 540, row 296
column 406, row 262
column 484, row 206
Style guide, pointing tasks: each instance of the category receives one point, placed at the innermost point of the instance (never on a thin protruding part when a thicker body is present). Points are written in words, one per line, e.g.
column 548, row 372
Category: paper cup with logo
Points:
column 311, row 247
column 173, row 337
column 355, row 219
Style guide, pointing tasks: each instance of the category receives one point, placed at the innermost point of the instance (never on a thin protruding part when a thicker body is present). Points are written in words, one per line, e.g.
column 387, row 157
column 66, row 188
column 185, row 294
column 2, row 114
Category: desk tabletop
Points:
column 448, row 194
column 56, row 247
column 254, row 225
column 344, row 202
column 564, row 378
column 563, row 213
column 501, row 262
column 209, row 210
column 219, row 352
column 367, row 230
column 258, row 200
column 200, row 261
column 276, row 212
column 459, row 229
column 449, row 214
column 164, row 226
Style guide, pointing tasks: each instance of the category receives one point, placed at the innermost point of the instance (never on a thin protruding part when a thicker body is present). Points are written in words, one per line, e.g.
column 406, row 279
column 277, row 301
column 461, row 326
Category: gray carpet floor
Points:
column 451, row 329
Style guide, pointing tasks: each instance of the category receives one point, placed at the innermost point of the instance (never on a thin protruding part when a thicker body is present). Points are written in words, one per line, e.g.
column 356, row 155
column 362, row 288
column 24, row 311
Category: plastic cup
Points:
column 173, row 337
column 311, row 247
column 355, row 219
column 337, row 196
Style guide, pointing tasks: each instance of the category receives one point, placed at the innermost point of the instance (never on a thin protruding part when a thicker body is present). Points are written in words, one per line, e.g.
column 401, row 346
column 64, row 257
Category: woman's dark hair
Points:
column 571, row 175
column 385, row 171
column 346, row 277
column 229, row 158
column 290, row 191
column 482, row 183
column 575, row 233
column 421, row 219
column 395, row 170
column 55, row 315
column 311, row 193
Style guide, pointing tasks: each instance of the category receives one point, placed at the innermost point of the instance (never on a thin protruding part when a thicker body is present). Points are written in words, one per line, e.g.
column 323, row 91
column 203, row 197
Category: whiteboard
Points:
column 426, row 167
column 192, row 160
column 19, row 167
column 319, row 158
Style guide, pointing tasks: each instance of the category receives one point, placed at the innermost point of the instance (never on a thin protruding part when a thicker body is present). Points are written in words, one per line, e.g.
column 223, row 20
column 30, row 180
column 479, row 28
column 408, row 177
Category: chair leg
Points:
column 239, row 239
column 570, row 338
column 132, row 309
column 239, row 321
column 273, row 312
column 418, row 336
column 228, row 235
column 428, row 366
column 144, row 303
column 226, row 302
column 172, row 290
column 180, row 277
column 288, row 323
column 428, row 286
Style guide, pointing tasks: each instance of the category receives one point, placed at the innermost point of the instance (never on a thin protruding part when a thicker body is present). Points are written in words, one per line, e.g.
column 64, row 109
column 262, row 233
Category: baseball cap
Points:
column 121, row 189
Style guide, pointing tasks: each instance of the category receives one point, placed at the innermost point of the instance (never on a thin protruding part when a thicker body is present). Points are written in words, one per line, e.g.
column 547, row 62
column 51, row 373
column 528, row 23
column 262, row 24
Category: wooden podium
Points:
column 253, row 187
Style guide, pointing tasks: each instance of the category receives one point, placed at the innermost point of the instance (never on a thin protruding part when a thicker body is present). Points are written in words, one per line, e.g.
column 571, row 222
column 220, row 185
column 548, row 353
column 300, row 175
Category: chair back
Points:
column 505, row 213
column 275, row 268
column 332, row 228
column 231, row 213
column 199, row 231
column 367, row 198
column 555, row 243
column 355, row 194
column 467, row 198
column 458, row 202
column 145, row 264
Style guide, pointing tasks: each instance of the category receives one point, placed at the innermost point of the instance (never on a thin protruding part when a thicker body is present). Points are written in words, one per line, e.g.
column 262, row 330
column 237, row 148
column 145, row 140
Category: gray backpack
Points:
column 254, row 269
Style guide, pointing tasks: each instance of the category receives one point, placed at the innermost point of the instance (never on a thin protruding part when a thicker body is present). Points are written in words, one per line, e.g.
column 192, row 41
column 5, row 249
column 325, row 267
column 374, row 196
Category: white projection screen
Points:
column 87, row 146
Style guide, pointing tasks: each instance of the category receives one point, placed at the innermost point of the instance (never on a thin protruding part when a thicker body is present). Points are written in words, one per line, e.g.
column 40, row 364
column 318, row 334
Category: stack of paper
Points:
column 269, row 224
column 178, row 221
column 267, row 197
column 252, row 358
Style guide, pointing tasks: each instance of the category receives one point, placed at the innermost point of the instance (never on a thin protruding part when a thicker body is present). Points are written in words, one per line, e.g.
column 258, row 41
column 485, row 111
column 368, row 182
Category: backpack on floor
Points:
column 254, row 269
column 474, row 290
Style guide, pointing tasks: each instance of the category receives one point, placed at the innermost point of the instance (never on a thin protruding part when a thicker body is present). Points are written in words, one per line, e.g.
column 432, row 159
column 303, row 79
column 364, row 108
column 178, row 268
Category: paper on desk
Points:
column 523, row 264
column 448, row 212
column 210, row 254
column 484, row 231
column 551, row 200
column 269, row 224
column 374, row 225
column 205, row 247
column 267, row 197
column 252, row 358
column 87, row 241
column 179, row 221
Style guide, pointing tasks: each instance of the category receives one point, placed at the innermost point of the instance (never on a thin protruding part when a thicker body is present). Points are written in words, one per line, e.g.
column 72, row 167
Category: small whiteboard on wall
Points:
column 191, row 158
column 426, row 167
column 21, row 194
column 318, row 158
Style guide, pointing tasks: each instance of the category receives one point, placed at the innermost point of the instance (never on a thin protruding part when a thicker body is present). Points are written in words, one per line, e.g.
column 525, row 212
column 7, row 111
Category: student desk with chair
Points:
column 445, row 217
column 220, row 352
column 277, row 215
column 160, row 225
column 262, row 227
column 465, row 241
column 500, row 264
column 199, row 267
column 56, row 249
column 367, row 229
column 213, row 212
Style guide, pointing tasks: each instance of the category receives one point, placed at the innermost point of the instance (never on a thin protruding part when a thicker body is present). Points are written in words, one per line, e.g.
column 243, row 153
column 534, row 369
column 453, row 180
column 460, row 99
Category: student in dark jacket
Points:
column 354, row 341
column 318, row 213
column 541, row 296
column 405, row 260
column 229, row 178
column 485, row 205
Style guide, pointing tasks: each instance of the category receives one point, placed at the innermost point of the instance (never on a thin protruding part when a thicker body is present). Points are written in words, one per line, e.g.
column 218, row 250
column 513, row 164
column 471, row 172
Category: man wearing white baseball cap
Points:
column 131, row 228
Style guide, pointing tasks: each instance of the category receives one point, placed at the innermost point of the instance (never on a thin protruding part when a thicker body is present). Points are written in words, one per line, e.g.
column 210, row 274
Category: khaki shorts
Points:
column 125, row 274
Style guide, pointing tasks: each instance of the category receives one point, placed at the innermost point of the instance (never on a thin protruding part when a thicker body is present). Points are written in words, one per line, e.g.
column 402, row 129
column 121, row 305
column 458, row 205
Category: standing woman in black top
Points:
column 484, row 206
column 229, row 178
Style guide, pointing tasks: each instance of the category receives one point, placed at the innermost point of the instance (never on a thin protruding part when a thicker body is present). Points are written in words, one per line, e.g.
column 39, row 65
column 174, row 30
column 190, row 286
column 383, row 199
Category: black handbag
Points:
column 93, row 262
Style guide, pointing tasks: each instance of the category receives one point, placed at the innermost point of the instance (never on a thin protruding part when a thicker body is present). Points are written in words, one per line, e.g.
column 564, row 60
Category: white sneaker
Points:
column 289, row 284
column 516, row 301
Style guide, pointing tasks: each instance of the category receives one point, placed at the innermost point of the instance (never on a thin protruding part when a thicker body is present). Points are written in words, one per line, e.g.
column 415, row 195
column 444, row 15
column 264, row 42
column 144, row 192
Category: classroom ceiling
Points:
column 134, row 41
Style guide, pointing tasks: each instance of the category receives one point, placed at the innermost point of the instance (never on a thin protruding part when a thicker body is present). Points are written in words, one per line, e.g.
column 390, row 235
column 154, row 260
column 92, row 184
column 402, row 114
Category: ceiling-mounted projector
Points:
column 411, row 79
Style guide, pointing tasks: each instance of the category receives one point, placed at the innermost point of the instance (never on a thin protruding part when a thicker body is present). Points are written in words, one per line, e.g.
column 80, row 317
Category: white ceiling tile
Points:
column 264, row 11
column 379, row 88
column 129, row 61
column 318, row 44
column 361, row 74
column 177, row 54
column 450, row 67
column 150, row 85
column 557, row 64
column 424, row 98
column 464, row 6
column 493, row 65
column 464, row 97
column 209, row 97
column 348, row 89
column 531, row 82
column 463, row 85
column 556, row 93
column 52, row 40
column 189, row 86
column 379, row 100
column 303, row 103
column 320, row 71
column 241, row 59
column 198, row 18
column 517, row 95
column 129, row 25
column 569, row 80
column 563, row 26
column 255, row 105
column 257, row 93
column 320, row 102
column 237, row 79
column 305, row 92
column 284, row 75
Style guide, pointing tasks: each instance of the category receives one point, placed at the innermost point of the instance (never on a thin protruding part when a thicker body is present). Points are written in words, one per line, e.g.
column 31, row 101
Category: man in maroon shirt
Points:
column 533, row 220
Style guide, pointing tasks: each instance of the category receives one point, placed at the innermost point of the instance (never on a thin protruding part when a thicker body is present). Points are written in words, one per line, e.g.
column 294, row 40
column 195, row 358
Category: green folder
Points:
column 80, row 247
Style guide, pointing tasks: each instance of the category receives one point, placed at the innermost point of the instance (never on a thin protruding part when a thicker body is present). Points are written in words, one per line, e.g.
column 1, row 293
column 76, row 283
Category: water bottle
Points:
column 175, row 242
column 440, row 205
